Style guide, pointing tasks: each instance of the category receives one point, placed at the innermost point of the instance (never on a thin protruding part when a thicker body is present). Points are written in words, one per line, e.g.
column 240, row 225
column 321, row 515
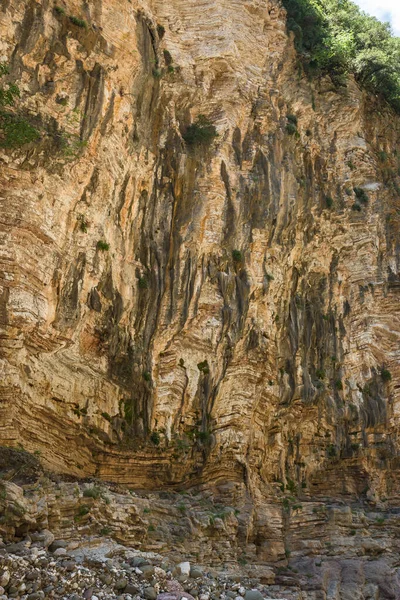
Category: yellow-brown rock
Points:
column 216, row 315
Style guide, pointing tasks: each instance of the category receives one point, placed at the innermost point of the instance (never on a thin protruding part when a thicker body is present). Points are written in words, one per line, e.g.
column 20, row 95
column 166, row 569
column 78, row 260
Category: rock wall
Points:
column 223, row 314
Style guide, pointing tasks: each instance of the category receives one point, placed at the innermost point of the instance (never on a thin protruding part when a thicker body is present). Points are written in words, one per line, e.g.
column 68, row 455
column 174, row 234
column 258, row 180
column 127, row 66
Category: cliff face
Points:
column 223, row 314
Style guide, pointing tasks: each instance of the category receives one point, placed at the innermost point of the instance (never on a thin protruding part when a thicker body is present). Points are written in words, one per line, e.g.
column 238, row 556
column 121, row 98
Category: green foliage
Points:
column 386, row 375
column 331, row 450
column 16, row 131
column 71, row 145
column 59, row 10
column 200, row 133
column 168, row 57
column 146, row 376
column 83, row 223
column 103, row 246
column 339, row 385
column 329, row 201
column 93, row 492
column 203, row 367
column 361, row 195
column 335, row 37
column 78, row 22
column 320, row 373
column 83, row 510
column 291, row 129
column 292, row 119
column 160, row 31
column 155, row 438
column 106, row 416
column 237, row 256
column 143, row 283
column 356, row 207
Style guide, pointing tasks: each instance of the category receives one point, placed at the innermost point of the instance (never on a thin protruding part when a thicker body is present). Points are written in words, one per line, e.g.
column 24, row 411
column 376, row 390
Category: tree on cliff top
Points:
column 335, row 37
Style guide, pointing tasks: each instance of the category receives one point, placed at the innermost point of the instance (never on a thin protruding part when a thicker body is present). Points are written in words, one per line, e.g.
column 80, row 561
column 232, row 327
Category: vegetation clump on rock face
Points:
column 15, row 131
column 200, row 133
column 334, row 37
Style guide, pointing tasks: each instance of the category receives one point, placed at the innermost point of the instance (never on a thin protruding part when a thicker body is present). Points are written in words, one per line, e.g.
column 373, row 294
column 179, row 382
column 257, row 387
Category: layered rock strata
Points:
column 219, row 316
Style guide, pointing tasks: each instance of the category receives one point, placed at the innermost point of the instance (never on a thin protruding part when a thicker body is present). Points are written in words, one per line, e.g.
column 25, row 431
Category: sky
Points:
column 385, row 10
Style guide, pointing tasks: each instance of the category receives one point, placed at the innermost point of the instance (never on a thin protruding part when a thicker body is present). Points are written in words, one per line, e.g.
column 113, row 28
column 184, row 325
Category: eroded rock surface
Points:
column 218, row 317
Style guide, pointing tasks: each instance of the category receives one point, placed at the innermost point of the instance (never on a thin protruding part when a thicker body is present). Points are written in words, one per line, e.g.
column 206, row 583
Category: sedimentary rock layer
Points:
column 180, row 315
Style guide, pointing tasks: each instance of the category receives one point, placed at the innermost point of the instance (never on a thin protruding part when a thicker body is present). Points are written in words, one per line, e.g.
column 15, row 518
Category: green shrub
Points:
column 237, row 256
column 155, row 438
column 83, row 510
column 103, row 246
column 361, row 195
column 59, row 10
column 106, row 416
column 93, row 492
column 339, row 385
column 143, row 283
column 292, row 119
column 16, row 131
column 386, row 375
column 146, row 376
column 168, row 58
column 200, row 133
column 331, row 450
column 328, row 201
column 160, row 31
column 334, row 37
column 356, row 207
column 78, row 22
column 320, row 373
column 203, row 367
column 83, row 223
column 291, row 129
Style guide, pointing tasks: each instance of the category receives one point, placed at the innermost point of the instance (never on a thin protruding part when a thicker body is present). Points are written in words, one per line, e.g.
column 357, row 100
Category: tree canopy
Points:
column 335, row 37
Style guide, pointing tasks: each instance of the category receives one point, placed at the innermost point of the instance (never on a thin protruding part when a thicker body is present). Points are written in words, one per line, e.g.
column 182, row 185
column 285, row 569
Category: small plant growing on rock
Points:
column 386, row 375
column 103, row 246
column 200, row 133
column 203, row 367
column 361, row 195
column 143, row 283
column 291, row 129
column 356, row 207
column 15, row 131
column 160, row 31
column 93, row 492
column 237, row 256
column 328, row 201
column 331, row 450
column 78, row 22
column 146, row 376
column 155, row 438
column 339, row 385
column 83, row 223
column 59, row 10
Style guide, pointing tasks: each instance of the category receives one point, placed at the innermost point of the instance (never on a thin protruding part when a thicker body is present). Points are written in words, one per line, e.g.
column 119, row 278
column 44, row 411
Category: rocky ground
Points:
column 72, row 539
column 33, row 569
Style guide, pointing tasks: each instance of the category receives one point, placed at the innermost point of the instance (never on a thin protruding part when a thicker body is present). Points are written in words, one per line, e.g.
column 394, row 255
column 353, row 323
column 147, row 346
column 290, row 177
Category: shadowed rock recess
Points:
column 200, row 310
